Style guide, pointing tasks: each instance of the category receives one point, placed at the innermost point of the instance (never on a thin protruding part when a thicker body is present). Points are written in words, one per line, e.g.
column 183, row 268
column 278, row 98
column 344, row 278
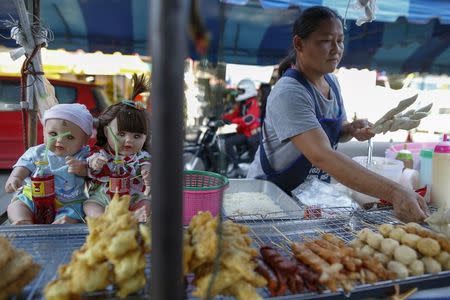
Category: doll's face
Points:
column 66, row 145
column 129, row 143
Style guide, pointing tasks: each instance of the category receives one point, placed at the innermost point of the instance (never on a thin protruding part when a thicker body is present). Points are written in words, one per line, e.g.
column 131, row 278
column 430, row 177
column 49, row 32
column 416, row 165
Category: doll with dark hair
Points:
column 122, row 126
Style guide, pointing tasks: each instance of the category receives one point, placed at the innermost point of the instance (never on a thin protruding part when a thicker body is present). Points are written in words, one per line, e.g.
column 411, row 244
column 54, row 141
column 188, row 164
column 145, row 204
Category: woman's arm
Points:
column 314, row 144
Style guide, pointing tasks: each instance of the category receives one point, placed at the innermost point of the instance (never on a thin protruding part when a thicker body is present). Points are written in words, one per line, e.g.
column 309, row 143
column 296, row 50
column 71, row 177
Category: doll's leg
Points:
column 19, row 213
column 69, row 214
column 93, row 209
column 141, row 210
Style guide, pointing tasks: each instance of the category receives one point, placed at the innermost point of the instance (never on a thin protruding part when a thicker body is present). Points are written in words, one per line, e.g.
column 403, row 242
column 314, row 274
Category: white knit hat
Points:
column 75, row 113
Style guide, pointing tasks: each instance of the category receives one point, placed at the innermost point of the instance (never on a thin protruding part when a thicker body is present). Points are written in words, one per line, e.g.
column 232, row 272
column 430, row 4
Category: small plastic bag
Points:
column 45, row 98
column 317, row 193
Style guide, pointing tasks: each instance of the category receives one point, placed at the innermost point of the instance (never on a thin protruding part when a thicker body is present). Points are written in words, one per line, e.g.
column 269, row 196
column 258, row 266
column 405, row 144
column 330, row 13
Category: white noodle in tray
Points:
column 249, row 203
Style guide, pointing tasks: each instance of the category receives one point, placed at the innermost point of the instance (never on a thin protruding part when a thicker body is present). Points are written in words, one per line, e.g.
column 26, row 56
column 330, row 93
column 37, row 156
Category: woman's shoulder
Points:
column 288, row 90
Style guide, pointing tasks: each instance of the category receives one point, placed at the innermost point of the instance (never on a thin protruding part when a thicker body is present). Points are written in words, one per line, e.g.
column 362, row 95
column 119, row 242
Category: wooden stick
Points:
column 259, row 241
column 282, row 234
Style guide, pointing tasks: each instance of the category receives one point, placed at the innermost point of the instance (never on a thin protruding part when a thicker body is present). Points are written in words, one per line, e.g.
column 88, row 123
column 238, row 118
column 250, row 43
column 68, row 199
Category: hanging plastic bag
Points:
column 369, row 8
column 45, row 97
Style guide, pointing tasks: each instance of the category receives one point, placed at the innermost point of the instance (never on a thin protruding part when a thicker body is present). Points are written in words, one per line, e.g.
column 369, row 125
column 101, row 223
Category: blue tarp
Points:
column 408, row 35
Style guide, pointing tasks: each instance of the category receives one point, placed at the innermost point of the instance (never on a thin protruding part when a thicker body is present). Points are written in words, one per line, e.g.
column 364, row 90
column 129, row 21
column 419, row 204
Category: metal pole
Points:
column 34, row 7
column 168, row 48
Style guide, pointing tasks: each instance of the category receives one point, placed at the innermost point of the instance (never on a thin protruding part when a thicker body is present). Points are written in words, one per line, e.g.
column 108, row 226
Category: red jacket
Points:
column 246, row 116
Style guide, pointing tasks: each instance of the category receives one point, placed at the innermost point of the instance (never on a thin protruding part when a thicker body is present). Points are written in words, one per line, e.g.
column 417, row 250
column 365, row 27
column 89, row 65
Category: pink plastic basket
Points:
column 203, row 191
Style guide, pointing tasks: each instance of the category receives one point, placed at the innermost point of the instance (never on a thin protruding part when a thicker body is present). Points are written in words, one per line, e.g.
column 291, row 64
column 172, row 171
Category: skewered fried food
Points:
column 405, row 254
column 417, row 268
column 431, row 265
column 14, row 267
column 428, row 247
column 385, row 229
column 15, row 287
column 363, row 233
column 398, row 268
column 329, row 256
column 444, row 259
column 397, row 234
column 374, row 239
column 366, row 250
column 388, row 246
column 7, row 251
column 425, row 233
column 410, row 240
column 381, row 257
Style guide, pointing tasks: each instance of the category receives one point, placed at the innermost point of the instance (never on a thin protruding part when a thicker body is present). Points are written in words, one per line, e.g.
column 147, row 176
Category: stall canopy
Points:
column 407, row 36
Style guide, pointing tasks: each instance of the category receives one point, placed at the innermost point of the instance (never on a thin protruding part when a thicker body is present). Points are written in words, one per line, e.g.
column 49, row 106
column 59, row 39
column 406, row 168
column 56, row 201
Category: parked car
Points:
column 11, row 139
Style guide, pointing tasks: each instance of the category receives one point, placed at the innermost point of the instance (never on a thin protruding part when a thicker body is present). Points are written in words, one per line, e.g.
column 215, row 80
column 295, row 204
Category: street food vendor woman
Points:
column 305, row 120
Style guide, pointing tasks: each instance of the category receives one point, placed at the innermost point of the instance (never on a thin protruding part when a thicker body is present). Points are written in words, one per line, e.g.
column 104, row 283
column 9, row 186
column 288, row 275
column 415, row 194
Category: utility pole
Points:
column 168, row 48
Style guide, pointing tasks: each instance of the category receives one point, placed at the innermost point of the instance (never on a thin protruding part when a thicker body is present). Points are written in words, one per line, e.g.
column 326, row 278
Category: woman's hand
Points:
column 361, row 130
column 408, row 205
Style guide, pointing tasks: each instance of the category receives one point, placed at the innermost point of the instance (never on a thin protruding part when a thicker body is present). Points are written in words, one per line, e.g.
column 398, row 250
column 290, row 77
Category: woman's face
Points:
column 322, row 50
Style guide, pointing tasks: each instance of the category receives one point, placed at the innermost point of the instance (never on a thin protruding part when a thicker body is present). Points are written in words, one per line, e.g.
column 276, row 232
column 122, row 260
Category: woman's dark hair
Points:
column 129, row 117
column 308, row 22
column 264, row 91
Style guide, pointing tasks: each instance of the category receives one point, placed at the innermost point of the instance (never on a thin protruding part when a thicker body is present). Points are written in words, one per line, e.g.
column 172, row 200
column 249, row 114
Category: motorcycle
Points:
column 206, row 151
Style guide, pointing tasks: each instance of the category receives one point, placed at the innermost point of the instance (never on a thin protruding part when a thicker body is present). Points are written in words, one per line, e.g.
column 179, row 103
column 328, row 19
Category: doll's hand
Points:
column 77, row 167
column 65, row 220
column 13, row 184
column 146, row 177
column 97, row 162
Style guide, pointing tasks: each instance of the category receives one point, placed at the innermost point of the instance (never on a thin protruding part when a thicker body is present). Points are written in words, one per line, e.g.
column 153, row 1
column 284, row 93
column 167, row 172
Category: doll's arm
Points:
column 16, row 178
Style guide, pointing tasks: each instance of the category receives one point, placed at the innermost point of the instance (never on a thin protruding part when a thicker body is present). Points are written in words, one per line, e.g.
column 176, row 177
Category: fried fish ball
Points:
column 362, row 234
column 398, row 268
column 381, row 257
column 367, row 250
column 431, row 265
column 417, row 268
column 428, row 247
column 388, row 246
column 410, row 240
column 356, row 244
column 405, row 254
column 385, row 229
column 397, row 234
column 374, row 239
column 444, row 259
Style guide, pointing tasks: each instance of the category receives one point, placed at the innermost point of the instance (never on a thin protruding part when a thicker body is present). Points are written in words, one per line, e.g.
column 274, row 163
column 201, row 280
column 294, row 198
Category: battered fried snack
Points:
column 236, row 275
column 114, row 253
column 14, row 288
column 17, row 269
column 6, row 253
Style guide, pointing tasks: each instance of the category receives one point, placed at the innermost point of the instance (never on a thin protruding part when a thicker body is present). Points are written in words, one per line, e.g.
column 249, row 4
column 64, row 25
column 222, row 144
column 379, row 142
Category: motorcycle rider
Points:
column 246, row 114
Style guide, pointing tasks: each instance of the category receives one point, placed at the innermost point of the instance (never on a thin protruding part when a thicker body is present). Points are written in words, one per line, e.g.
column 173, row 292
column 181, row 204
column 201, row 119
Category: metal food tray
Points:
column 51, row 246
column 344, row 223
column 290, row 208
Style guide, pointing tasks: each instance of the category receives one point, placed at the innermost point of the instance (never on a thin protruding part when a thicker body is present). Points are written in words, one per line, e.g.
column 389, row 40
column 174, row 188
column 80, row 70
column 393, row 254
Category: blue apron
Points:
column 296, row 173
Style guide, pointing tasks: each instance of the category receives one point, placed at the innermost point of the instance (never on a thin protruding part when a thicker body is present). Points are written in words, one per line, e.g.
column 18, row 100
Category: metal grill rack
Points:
column 342, row 222
column 52, row 246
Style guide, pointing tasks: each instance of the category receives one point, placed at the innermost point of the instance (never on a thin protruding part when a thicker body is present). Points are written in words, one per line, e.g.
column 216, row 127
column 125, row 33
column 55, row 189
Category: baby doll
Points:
column 67, row 128
column 124, row 124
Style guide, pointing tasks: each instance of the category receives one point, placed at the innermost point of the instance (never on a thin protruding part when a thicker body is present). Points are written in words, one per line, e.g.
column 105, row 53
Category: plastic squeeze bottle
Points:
column 406, row 156
column 43, row 193
column 440, row 185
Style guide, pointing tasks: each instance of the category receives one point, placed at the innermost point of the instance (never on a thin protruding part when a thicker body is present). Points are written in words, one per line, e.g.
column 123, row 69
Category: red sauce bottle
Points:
column 119, row 180
column 43, row 193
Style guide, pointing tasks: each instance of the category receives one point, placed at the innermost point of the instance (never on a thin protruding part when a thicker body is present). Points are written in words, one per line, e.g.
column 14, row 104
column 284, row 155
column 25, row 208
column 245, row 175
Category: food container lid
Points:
column 443, row 147
column 427, row 153
column 404, row 154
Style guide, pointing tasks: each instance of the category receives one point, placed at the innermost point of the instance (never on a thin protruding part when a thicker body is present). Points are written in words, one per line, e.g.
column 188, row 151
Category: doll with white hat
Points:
column 67, row 128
